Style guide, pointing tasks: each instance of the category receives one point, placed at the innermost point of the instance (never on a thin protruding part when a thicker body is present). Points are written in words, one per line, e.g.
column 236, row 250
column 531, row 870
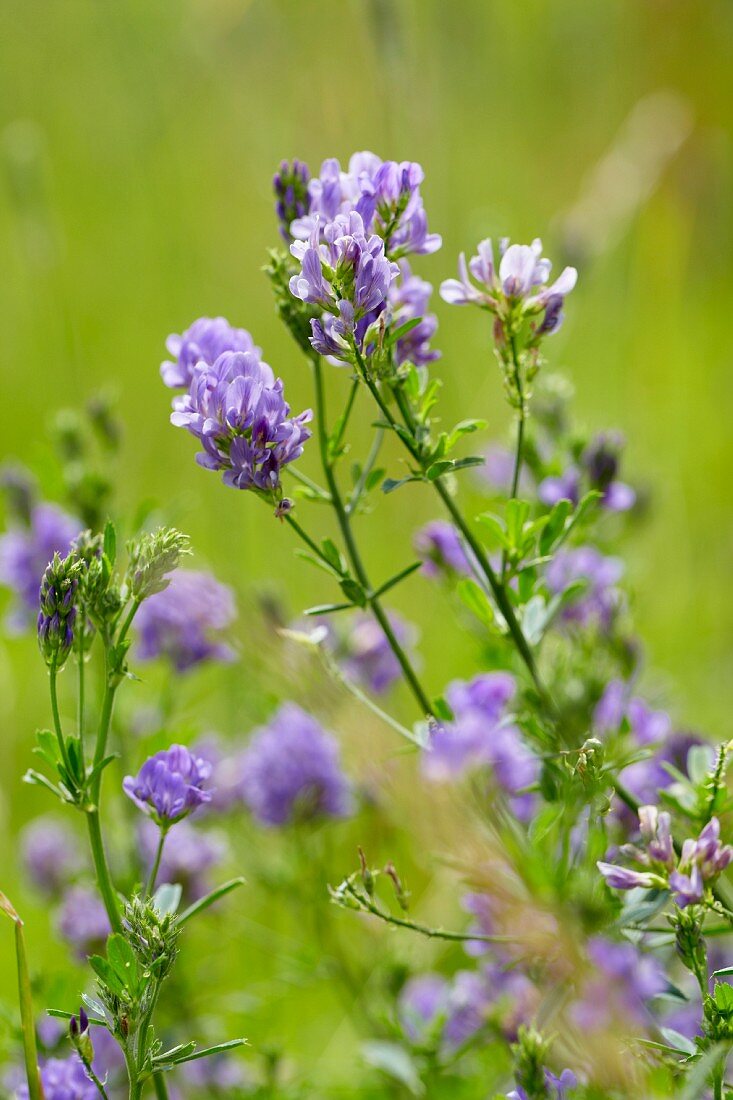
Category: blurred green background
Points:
column 137, row 143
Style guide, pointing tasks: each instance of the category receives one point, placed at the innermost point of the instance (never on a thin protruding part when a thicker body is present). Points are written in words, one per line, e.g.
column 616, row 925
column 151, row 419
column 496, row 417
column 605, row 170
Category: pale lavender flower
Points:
column 291, row 771
column 625, row 878
column 183, row 623
column 82, row 920
column 203, row 342
column 656, row 834
column 26, row 551
column 625, row 981
column 226, row 774
column 497, row 471
column 448, row 1013
column 50, row 854
column 290, row 185
column 439, row 544
column 600, row 598
column 189, row 855
column 169, row 785
column 520, row 282
column 367, row 656
column 218, row 1075
column 236, row 409
column 63, row 1079
column 409, row 298
column 566, row 486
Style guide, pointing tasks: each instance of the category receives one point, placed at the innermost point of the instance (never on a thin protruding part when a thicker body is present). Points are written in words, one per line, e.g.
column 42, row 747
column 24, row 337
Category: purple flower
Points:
column 409, row 298
column 439, row 543
column 599, row 599
column 687, row 889
column 203, row 342
column 169, row 785
column 626, row 979
column 290, row 185
column 519, row 283
column 430, row 1008
column 82, row 920
column 647, row 726
column 50, row 854
column 565, row 487
column 64, row 1079
column 367, row 655
column 218, row 1075
column 188, row 856
column 26, row 551
column 291, row 771
column 558, row 1088
column 236, row 409
column 57, row 610
column 624, row 878
column 498, row 470
column 601, row 462
column 181, row 623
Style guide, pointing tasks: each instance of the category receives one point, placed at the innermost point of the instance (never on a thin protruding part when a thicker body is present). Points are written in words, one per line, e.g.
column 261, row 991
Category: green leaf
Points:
column 475, row 599
column 723, row 997
column 306, row 555
column 677, row 1041
column 390, row 484
column 555, row 526
column 192, row 1055
column 517, row 514
column 122, row 959
column 167, row 898
column 107, row 975
column 110, row 542
column 353, row 591
column 209, row 899
column 441, row 709
column 401, row 331
column 495, row 525
column 401, row 576
column 333, row 555
column 327, row 608
column 700, row 761
column 396, row 1062
column 37, row 779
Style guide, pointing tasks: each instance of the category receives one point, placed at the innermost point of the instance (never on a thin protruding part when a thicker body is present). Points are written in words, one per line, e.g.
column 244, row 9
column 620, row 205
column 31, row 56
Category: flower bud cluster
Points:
column 58, row 605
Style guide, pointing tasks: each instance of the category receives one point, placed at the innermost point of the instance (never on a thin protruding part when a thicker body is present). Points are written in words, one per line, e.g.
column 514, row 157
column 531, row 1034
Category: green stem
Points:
column 104, row 880
column 57, row 719
column 368, row 467
column 521, row 416
column 353, row 551
column 160, row 1086
column 156, row 863
column 425, row 930
column 94, row 1079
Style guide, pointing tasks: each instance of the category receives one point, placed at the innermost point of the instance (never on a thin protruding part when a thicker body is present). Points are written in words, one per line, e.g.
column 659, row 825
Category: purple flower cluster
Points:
column 481, row 734
column 647, row 726
column 236, row 409
column 520, row 283
column 623, row 982
column 699, row 864
column 26, row 551
column 598, row 471
column 367, row 656
column 181, row 623
column 169, row 785
column 434, row 1010
column 50, row 854
column 409, row 299
column 64, row 1079
column 439, row 544
column 386, row 195
column 203, row 342
column 599, row 598
column 290, row 185
column 82, row 920
column 291, row 771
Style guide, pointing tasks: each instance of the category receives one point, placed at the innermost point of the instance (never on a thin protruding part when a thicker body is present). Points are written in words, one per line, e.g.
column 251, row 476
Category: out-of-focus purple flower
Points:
column 226, row 774
column 647, row 726
column 367, row 656
column 599, row 599
column 290, row 185
column 624, row 878
column 291, row 771
column 645, row 778
column 203, row 342
column 448, row 1013
column 64, row 1079
column 601, row 462
column 409, row 298
column 218, row 1075
column 188, row 856
column 497, row 471
column 82, row 920
column 181, row 623
column 558, row 1088
column 480, row 734
column 519, row 282
column 565, row 487
column 50, row 854
column 26, row 551
column 439, row 544
column 237, row 411
column 169, row 785
column 624, row 982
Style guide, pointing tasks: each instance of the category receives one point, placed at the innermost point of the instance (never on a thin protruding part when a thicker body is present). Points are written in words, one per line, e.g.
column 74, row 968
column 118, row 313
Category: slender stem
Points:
column 104, row 880
column 336, row 672
column 310, row 543
column 308, row 482
column 160, row 1086
column 416, row 926
column 353, row 551
column 335, row 444
column 94, row 1079
column 82, row 684
column 156, row 863
column 368, row 467
column 521, row 416
column 52, row 673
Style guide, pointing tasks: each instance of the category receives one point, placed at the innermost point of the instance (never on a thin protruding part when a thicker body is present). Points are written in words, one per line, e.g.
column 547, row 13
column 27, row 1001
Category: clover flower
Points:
column 50, row 854
column 202, row 342
column 236, row 409
column 482, row 735
column 64, row 1079
column 82, row 920
column 182, row 623
column 169, row 785
column 433, row 1009
column 26, row 551
column 439, row 544
column 700, row 861
column 291, row 771
column 519, row 284
column 599, row 598
column 57, row 613
column 290, row 185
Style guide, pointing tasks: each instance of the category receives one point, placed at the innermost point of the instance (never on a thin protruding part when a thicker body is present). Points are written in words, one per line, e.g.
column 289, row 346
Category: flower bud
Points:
column 152, row 558
column 57, row 612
